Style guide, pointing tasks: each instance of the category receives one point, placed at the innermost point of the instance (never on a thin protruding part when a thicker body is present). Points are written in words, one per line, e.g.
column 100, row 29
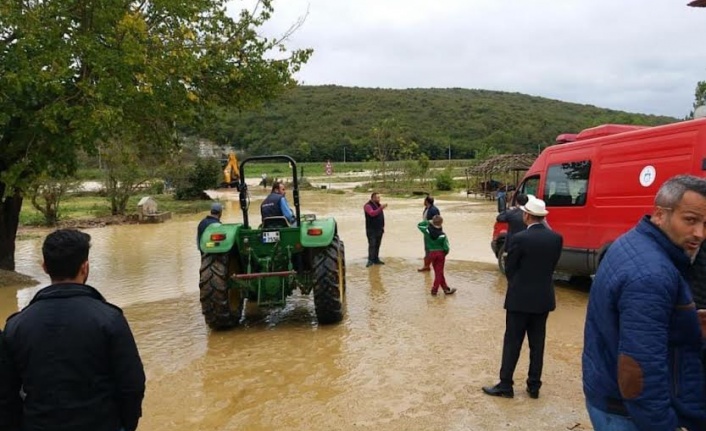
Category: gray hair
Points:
column 672, row 191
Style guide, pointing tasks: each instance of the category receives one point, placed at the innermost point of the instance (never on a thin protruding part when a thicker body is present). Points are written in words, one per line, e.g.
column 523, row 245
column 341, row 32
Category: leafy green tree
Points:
column 485, row 150
column 205, row 174
column 46, row 193
column 699, row 97
column 77, row 72
column 125, row 173
column 389, row 143
column 423, row 167
column 444, row 180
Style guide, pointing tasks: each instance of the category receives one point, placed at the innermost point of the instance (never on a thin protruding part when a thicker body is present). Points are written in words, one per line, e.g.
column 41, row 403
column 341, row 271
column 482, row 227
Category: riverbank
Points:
column 11, row 278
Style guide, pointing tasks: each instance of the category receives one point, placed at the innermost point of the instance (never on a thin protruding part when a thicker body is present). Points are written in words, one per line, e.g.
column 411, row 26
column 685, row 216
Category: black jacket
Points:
column 206, row 222
column 10, row 403
column 515, row 224
column 376, row 223
column 74, row 358
column 529, row 268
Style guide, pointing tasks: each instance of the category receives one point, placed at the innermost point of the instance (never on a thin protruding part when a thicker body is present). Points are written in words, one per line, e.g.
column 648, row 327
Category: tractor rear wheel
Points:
column 221, row 302
column 330, row 282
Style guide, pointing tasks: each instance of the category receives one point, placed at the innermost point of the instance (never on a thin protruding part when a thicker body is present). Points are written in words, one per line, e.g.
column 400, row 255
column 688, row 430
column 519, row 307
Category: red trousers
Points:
column 438, row 259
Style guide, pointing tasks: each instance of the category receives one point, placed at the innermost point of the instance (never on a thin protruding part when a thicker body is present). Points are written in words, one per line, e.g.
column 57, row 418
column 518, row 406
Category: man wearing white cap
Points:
column 530, row 264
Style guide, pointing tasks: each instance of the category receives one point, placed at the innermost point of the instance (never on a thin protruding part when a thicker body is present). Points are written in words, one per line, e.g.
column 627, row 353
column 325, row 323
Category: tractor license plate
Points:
column 270, row 237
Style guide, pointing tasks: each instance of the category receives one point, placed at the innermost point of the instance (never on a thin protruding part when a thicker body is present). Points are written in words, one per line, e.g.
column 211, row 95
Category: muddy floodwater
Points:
column 400, row 360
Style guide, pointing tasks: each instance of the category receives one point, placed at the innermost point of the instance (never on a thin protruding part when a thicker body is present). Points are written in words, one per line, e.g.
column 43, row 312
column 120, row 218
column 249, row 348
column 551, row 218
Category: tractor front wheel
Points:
column 330, row 282
column 221, row 302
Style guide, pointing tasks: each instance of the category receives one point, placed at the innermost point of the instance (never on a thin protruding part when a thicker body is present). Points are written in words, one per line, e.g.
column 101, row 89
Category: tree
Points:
column 389, row 143
column 46, row 193
column 205, row 174
column 699, row 97
column 75, row 73
column 125, row 170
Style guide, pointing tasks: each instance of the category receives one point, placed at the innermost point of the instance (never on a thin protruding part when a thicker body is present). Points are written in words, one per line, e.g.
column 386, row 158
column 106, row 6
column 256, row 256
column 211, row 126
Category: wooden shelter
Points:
column 495, row 172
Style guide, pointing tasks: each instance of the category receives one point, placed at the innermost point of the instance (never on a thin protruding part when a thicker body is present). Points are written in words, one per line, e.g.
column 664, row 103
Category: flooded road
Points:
column 400, row 360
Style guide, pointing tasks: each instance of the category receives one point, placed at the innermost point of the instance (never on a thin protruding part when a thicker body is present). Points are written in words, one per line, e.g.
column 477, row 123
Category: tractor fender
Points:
column 229, row 231
column 318, row 233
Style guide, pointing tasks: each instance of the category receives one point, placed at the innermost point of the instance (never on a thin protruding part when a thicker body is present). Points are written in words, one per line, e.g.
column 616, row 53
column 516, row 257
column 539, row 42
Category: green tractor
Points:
column 267, row 263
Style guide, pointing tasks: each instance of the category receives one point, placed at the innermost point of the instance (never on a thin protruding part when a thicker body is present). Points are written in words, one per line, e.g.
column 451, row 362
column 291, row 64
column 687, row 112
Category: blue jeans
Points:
column 603, row 421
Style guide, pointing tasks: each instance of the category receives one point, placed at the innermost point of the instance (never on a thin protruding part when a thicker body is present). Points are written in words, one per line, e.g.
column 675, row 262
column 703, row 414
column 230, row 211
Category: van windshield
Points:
column 528, row 187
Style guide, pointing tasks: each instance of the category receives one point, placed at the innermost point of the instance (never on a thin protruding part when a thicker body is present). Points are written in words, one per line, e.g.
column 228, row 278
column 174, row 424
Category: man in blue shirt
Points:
column 275, row 205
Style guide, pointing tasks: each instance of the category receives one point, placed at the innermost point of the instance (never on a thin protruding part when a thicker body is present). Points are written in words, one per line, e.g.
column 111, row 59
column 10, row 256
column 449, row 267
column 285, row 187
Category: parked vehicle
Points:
column 231, row 172
column 265, row 264
column 600, row 182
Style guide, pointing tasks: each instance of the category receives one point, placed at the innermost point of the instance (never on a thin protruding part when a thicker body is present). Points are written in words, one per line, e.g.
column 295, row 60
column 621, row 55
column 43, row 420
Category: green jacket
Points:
column 434, row 241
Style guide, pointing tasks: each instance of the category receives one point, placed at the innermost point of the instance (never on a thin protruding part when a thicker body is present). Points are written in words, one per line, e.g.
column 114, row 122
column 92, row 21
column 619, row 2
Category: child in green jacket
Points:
column 438, row 245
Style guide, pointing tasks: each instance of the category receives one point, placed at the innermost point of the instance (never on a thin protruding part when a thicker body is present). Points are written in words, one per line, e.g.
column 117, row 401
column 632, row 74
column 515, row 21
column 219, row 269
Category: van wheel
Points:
column 502, row 256
column 580, row 280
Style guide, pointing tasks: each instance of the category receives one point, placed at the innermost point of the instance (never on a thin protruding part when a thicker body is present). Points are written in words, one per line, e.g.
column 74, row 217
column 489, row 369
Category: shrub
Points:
column 206, row 174
column 444, row 180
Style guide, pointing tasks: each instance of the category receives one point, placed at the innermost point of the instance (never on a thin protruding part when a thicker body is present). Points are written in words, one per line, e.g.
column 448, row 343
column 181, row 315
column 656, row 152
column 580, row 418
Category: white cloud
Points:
column 634, row 55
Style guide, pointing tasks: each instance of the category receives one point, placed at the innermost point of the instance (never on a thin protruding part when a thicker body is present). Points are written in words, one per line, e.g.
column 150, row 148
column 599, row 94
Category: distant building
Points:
column 209, row 148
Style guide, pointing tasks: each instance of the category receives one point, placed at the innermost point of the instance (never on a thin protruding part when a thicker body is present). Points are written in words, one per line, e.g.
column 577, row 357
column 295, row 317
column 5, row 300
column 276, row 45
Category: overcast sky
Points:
column 634, row 55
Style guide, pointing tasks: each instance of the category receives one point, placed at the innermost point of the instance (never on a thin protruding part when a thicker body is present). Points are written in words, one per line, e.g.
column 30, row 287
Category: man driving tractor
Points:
column 275, row 205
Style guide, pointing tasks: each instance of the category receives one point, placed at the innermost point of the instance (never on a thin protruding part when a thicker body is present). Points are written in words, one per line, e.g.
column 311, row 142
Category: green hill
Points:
column 315, row 123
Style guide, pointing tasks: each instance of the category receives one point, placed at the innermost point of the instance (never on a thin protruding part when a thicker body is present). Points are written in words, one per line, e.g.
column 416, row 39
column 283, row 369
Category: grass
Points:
column 90, row 206
column 318, row 169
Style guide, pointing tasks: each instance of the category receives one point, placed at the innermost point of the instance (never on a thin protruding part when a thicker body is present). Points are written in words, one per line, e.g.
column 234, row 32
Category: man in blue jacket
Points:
column 642, row 339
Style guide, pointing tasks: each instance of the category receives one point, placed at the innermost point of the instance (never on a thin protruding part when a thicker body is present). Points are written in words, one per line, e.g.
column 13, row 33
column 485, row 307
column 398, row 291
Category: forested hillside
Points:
column 314, row 123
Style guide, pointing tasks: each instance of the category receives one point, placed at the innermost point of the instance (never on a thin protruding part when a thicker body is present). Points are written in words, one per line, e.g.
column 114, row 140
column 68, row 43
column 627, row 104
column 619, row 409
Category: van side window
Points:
column 566, row 184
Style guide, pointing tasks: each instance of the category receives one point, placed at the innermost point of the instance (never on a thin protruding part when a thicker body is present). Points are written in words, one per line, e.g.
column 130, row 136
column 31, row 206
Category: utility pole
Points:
column 344, row 154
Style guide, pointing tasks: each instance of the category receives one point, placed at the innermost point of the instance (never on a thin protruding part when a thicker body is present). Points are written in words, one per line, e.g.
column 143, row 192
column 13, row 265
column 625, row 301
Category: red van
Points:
column 599, row 184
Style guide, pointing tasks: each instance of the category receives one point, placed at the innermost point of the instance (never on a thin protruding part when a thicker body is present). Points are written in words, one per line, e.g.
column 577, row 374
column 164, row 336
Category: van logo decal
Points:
column 648, row 176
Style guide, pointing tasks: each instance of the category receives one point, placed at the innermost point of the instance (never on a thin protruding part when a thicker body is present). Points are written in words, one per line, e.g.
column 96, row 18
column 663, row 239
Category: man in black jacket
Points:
column 530, row 264
column 213, row 217
column 10, row 403
column 72, row 363
column 514, row 219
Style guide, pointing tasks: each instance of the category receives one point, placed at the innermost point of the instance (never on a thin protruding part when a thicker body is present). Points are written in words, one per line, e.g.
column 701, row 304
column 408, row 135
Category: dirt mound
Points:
column 96, row 222
column 11, row 278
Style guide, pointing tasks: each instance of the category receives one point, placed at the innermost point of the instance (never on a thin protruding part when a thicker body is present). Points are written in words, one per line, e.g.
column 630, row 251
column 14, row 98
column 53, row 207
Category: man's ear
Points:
column 84, row 270
column 658, row 216
column 44, row 267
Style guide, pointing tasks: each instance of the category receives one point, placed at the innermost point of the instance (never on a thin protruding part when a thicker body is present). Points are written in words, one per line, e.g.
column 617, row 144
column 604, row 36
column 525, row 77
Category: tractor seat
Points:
column 277, row 221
